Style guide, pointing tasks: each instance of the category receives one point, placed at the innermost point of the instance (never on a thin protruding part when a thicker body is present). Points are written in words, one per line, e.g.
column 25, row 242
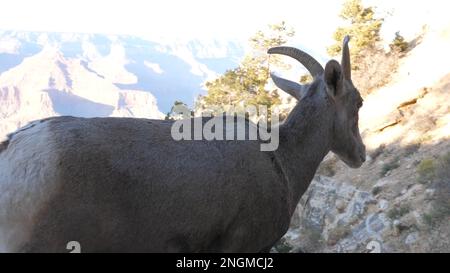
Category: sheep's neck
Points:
column 305, row 139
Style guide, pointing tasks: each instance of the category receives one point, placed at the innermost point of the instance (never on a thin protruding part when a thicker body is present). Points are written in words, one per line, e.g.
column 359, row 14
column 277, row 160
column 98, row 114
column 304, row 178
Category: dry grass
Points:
column 328, row 167
column 337, row 234
column 375, row 69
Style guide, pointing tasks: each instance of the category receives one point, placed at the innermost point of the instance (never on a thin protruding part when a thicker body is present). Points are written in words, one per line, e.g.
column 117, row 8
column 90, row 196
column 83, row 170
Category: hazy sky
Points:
column 313, row 20
column 171, row 19
column 190, row 18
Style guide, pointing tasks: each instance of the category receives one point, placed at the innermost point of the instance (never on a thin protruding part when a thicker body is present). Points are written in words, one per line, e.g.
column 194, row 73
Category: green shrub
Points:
column 438, row 213
column 426, row 170
column 389, row 167
column 439, row 172
column 429, row 219
column 442, row 170
column 376, row 190
column 398, row 212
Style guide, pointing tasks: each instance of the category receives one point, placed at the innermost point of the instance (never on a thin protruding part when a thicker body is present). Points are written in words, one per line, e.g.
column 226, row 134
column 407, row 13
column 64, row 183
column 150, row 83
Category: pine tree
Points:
column 178, row 109
column 399, row 44
column 246, row 84
column 364, row 28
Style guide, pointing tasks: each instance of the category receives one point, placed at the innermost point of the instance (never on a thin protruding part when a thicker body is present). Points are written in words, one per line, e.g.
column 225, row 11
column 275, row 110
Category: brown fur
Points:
column 124, row 185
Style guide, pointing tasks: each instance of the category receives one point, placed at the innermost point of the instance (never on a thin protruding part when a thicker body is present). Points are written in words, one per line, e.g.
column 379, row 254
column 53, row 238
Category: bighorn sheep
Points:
column 124, row 185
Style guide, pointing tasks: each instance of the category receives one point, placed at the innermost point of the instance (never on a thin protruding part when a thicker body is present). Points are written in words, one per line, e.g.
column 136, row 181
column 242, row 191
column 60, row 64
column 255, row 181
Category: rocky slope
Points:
column 399, row 200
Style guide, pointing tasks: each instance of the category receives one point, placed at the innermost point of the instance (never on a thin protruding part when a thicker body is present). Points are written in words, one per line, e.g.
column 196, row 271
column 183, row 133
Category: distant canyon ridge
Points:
column 92, row 75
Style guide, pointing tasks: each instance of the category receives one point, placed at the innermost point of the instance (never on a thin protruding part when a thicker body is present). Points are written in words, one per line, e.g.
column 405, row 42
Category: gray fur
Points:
column 124, row 185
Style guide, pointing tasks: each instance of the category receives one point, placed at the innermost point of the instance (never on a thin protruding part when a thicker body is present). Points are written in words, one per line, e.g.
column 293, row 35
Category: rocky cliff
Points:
column 399, row 200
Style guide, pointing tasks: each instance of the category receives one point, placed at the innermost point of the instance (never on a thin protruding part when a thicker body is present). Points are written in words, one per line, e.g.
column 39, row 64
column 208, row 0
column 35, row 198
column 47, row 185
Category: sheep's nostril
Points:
column 363, row 157
column 362, row 154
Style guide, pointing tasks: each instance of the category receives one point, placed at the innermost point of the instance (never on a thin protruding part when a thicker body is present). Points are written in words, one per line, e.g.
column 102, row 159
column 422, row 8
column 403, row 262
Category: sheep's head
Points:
column 346, row 140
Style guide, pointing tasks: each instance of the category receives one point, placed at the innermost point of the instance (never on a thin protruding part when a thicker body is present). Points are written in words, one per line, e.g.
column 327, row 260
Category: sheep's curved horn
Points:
column 292, row 88
column 345, row 63
column 313, row 66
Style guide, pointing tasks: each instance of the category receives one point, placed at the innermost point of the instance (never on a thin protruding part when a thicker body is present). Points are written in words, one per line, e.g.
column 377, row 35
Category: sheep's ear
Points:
column 334, row 78
column 294, row 89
